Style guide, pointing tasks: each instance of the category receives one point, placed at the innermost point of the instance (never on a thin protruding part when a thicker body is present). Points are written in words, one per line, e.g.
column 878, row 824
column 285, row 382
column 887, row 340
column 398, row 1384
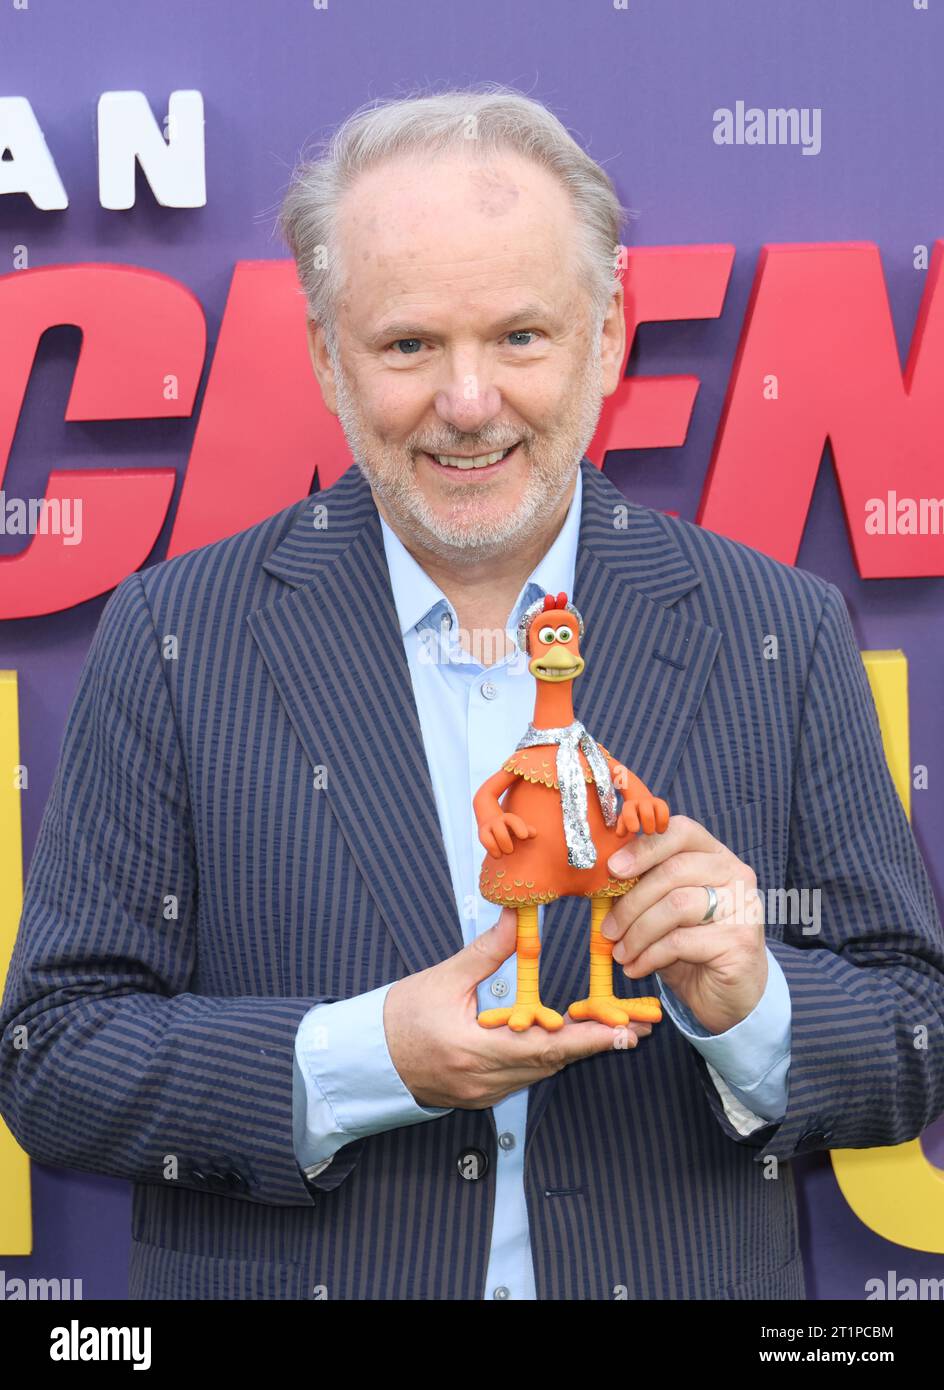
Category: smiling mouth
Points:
column 461, row 467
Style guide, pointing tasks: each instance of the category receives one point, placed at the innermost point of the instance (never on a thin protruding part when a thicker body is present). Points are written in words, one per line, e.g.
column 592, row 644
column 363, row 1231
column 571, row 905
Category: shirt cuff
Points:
column 753, row 1056
column 345, row 1084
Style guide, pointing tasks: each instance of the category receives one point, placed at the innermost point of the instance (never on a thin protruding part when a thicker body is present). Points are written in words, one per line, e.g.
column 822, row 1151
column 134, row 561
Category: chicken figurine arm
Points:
column 548, row 823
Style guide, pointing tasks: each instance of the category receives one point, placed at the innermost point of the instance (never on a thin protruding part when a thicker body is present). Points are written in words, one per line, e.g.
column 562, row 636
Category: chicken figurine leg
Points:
column 548, row 822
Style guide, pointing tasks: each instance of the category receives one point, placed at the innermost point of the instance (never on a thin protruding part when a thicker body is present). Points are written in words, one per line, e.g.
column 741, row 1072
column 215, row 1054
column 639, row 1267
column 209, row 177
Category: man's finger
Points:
column 577, row 1040
column 489, row 950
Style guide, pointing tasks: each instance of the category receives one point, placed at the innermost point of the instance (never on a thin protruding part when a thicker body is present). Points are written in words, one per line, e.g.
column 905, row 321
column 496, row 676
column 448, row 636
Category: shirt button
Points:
column 489, row 690
column 472, row 1164
column 502, row 1292
column 506, row 1140
column 499, row 988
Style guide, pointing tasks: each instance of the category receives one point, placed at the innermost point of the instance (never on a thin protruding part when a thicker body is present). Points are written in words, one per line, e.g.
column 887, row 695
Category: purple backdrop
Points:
column 638, row 88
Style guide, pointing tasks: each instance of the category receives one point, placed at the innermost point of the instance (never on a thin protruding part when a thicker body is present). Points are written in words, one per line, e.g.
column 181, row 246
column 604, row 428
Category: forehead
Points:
column 418, row 232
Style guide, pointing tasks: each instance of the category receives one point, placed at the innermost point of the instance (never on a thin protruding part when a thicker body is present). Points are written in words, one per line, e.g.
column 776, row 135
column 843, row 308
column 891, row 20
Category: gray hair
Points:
column 494, row 118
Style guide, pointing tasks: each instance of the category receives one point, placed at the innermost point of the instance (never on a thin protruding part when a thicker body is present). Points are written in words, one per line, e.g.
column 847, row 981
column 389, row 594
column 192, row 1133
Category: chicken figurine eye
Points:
column 549, row 820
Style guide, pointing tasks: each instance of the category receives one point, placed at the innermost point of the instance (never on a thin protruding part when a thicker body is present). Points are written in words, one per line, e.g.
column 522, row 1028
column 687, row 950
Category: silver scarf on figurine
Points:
column 581, row 851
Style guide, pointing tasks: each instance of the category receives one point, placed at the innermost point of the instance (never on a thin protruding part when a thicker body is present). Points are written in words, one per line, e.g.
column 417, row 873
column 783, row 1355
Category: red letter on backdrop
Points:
column 662, row 283
column 143, row 342
column 818, row 360
column 263, row 427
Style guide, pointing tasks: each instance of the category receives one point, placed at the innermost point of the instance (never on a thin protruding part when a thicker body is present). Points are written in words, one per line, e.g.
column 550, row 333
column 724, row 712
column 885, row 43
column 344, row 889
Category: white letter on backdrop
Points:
column 32, row 169
column 175, row 168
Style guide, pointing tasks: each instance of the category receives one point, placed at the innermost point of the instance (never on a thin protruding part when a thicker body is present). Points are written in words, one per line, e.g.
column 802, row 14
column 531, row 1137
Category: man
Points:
column 252, row 952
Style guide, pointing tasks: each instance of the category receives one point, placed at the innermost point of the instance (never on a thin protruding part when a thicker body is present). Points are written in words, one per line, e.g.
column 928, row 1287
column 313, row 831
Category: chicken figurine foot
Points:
column 548, row 822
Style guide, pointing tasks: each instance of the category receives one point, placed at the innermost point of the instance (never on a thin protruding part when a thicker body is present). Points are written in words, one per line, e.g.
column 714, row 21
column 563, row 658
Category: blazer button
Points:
column 472, row 1164
column 199, row 1177
column 236, row 1181
column 216, row 1181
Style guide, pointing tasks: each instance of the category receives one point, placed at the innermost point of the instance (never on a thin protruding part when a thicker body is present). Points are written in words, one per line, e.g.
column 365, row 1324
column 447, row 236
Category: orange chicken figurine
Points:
column 551, row 837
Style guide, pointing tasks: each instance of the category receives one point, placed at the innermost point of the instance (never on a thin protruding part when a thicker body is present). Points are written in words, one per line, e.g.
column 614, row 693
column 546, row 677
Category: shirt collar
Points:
column 420, row 603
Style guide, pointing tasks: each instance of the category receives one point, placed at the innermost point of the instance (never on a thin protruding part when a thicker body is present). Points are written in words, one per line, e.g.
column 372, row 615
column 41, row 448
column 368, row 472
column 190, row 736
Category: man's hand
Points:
column 718, row 968
column 445, row 1059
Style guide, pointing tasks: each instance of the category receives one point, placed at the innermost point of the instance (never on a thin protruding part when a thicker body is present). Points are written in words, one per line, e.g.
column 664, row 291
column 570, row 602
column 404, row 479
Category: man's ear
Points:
column 613, row 343
column 321, row 364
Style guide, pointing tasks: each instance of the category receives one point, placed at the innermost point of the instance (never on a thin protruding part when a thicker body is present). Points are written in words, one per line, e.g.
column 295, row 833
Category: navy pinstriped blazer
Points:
column 193, row 892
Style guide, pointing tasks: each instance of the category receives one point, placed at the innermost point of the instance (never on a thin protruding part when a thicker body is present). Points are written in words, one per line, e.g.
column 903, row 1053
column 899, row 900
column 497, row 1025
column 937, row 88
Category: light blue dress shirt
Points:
column 472, row 716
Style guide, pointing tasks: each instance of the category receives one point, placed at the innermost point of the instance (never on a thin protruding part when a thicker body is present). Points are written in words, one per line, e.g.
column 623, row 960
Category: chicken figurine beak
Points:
column 557, row 664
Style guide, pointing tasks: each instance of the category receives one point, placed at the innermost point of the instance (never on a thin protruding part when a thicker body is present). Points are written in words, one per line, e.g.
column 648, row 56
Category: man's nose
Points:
column 467, row 401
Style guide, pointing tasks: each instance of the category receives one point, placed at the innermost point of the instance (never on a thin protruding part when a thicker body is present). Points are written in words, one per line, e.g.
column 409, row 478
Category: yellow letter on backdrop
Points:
column 16, row 1226
column 895, row 1190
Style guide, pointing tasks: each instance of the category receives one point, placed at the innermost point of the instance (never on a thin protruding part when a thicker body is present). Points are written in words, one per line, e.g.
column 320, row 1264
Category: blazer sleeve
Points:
column 109, row 1060
column 867, row 987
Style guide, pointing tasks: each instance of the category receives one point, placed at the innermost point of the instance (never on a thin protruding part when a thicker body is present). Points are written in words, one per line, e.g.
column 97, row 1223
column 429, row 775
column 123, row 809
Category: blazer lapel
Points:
column 334, row 650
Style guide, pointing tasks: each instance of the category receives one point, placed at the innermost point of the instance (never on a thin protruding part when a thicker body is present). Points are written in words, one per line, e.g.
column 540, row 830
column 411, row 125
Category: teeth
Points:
column 482, row 461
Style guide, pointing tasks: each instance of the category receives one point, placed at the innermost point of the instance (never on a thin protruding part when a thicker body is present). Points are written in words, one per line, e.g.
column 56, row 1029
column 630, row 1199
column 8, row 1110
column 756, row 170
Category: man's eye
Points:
column 414, row 344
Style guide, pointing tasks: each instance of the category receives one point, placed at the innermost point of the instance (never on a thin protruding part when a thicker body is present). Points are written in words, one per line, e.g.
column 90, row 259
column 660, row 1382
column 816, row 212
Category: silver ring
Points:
column 712, row 903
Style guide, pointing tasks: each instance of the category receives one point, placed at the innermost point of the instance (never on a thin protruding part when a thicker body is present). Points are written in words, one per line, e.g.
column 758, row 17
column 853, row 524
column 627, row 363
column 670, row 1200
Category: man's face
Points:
column 463, row 330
